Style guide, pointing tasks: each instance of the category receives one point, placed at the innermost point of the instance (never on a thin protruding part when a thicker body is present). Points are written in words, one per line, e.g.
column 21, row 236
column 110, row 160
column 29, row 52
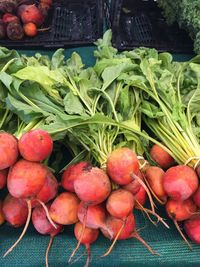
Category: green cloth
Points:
column 30, row 252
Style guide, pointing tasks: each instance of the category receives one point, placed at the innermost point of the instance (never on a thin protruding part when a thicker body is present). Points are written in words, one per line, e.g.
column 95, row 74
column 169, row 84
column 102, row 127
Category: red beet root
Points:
column 64, row 209
column 122, row 229
column 8, row 150
column 95, row 215
column 180, row 182
column 92, row 186
column 180, row 210
column 120, row 203
column 7, row 18
column 35, row 145
column 15, row 211
column 2, row 218
column 2, row 30
column 162, row 157
column 192, row 228
column 154, row 176
column 15, row 31
column 140, row 197
column 26, row 179
column 85, row 236
column 3, row 178
column 196, row 197
column 48, row 191
column 71, row 173
column 43, row 226
column 121, row 163
column 134, row 186
column 30, row 13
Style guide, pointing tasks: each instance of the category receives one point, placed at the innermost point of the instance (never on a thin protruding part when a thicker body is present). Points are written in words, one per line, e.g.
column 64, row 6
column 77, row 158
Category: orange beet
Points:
column 180, row 210
column 192, row 228
column 26, row 179
column 180, row 182
column 8, row 150
column 30, row 29
column 64, row 209
column 161, row 157
column 92, row 186
column 120, row 203
column 71, row 173
column 35, row 145
column 121, row 163
column 154, row 176
column 15, row 211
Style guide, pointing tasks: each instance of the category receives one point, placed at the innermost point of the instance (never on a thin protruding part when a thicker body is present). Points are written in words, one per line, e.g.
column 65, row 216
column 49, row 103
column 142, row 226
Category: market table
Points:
column 167, row 243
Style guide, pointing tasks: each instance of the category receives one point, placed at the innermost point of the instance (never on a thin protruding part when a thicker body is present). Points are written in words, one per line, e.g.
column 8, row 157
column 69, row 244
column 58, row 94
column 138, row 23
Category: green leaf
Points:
column 57, row 60
column 72, row 104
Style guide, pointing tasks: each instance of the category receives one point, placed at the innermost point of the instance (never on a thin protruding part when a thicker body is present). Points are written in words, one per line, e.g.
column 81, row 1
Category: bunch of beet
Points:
column 31, row 185
column 22, row 18
column 177, row 187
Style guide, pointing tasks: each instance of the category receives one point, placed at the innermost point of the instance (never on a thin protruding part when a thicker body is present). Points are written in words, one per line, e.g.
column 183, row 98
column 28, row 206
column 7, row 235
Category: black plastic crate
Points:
column 140, row 23
column 71, row 22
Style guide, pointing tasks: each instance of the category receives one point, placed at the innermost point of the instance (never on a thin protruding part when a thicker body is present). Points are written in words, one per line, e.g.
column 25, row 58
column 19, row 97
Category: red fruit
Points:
column 134, row 186
column 180, row 182
column 180, row 210
column 154, row 176
column 47, row 2
column 64, row 209
column 30, row 13
column 71, row 173
column 192, row 228
column 35, row 145
column 95, row 215
column 15, row 211
column 121, row 163
column 162, row 157
column 8, row 150
column 92, row 186
column 48, row 191
column 30, row 29
column 114, row 225
column 141, row 197
column 196, row 197
column 2, row 218
column 26, row 179
column 42, row 224
column 7, row 18
column 89, row 236
column 3, row 178
column 120, row 203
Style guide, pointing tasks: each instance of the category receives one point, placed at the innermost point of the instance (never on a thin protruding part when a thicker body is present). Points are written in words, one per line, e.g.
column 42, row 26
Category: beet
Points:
column 161, row 157
column 8, row 150
column 92, row 186
column 14, row 31
column 120, row 203
column 35, row 145
column 180, row 182
column 3, row 178
column 71, row 173
column 30, row 13
column 64, row 209
column 192, row 228
column 2, row 218
column 7, row 18
column 121, row 163
column 15, row 211
column 26, row 179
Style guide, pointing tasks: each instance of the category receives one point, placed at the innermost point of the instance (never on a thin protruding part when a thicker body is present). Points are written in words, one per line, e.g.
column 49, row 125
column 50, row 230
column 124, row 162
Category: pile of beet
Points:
column 19, row 18
column 94, row 200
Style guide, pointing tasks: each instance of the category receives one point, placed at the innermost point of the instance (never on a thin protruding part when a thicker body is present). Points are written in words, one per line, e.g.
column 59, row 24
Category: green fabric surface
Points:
column 30, row 252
